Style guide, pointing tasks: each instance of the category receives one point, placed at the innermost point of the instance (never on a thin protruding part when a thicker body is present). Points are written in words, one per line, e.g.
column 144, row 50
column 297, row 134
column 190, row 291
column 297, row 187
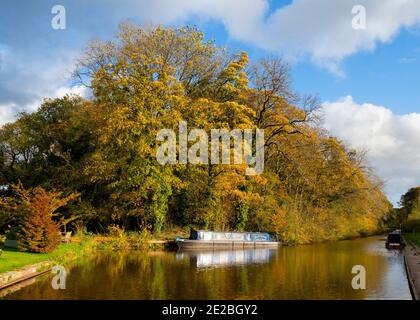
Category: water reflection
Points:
column 320, row 271
column 225, row 258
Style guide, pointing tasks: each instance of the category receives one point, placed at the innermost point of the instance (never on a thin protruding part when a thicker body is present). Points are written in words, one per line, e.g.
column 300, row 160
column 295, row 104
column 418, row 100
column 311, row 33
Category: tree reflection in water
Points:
column 319, row 271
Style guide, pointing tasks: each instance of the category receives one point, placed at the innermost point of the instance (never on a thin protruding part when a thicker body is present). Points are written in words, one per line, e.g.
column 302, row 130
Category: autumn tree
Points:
column 409, row 213
column 37, row 231
column 313, row 188
column 411, row 200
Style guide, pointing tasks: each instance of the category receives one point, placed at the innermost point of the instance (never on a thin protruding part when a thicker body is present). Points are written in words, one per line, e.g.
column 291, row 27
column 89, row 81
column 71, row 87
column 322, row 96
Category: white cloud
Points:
column 34, row 66
column 320, row 29
column 391, row 141
column 75, row 90
column 9, row 111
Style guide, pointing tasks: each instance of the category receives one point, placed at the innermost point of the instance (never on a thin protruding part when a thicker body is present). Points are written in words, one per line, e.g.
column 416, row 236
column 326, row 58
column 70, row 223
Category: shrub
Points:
column 37, row 230
column 140, row 240
column 39, row 233
column 119, row 237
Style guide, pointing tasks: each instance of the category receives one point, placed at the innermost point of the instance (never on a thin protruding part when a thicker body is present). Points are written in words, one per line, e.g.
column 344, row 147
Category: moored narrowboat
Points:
column 201, row 239
column 395, row 240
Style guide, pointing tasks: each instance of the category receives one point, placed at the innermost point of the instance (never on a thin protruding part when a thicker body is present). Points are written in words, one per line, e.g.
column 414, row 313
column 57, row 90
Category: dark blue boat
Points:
column 395, row 240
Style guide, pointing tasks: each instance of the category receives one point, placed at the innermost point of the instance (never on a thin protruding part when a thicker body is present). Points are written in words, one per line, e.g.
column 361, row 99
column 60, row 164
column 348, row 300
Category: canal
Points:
column 319, row 271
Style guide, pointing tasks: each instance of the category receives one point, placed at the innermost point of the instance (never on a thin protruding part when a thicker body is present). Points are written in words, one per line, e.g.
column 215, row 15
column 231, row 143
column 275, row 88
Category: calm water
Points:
column 321, row 271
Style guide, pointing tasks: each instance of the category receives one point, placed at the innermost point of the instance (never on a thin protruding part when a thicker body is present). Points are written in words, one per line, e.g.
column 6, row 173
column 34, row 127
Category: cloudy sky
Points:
column 367, row 77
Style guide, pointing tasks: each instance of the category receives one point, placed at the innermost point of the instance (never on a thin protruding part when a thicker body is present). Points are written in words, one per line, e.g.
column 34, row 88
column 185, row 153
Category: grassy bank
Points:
column 12, row 259
column 414, row 237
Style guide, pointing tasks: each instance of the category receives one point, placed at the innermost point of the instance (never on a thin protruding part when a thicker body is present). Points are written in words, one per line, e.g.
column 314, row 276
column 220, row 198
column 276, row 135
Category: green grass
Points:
column 413, row 237
column 12, row 259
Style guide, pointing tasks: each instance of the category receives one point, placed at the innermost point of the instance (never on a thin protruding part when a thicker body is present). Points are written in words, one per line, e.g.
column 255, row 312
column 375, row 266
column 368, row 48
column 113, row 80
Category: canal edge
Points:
column 412, row 266
column 12, row 278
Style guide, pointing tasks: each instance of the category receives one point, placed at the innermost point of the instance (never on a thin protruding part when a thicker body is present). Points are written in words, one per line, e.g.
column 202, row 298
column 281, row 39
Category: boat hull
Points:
column 396, row 246
column 187, row 244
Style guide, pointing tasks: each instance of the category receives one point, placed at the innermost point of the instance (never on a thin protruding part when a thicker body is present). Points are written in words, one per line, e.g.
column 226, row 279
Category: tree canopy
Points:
column 313, row 187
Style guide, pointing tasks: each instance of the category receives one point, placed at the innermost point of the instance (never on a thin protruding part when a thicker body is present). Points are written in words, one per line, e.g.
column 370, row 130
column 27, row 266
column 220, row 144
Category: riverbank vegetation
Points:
column 103, row 148
column 413, row 236
column 32, row 211
column 407, row 214
column 410, row 209
column 13, row 259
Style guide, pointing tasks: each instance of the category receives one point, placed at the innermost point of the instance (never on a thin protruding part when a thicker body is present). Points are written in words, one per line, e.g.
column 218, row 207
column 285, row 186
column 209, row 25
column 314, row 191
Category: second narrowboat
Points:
column 395, row 240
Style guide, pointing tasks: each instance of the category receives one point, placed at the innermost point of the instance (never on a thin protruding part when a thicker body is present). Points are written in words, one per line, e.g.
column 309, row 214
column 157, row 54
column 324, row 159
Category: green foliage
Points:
column 140, row 240
column 121, row 239
column 313, row 188
column 242, row 216
column 408, row 215
column 409, row 212
column 118, row 238
column 413, row 236
column 411, row 199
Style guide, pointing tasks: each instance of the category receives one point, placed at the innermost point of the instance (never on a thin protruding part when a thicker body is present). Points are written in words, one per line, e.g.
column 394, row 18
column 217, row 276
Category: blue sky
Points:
column 367, row 79
column 387, row 76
